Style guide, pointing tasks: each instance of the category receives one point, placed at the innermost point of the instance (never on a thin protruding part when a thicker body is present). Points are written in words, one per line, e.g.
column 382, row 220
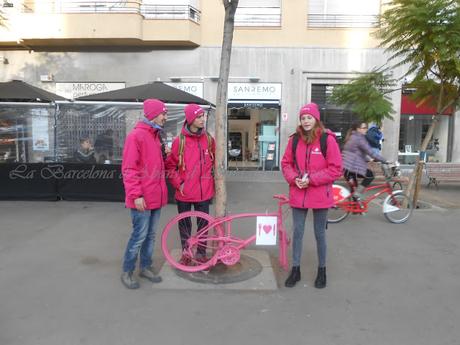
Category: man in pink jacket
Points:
column 145, row 189
column 189, row 170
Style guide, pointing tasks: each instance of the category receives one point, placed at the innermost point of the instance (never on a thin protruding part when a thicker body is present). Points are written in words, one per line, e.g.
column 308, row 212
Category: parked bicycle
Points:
column 215, row 237
column 396, row 207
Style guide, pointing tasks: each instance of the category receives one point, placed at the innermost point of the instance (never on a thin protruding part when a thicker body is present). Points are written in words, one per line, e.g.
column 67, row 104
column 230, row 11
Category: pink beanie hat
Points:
column 192, row 111
column 153, row 108
column 311, row 109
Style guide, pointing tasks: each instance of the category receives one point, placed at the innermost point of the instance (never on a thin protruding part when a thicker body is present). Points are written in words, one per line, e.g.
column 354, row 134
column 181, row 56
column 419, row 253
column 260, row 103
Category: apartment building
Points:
column 285, row 53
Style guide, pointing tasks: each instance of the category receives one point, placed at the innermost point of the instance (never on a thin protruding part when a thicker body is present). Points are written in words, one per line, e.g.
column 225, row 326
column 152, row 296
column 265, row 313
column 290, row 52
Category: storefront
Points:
column 414, row 125
column 73, row 150
column 27, row 116
column 253, row 126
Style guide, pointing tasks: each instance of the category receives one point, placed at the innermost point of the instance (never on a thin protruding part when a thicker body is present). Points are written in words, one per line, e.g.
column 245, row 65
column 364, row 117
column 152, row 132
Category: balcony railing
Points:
column 149, row 11
column 97, row 7
column 81, row 6
column 258, row 16
column 341, row 21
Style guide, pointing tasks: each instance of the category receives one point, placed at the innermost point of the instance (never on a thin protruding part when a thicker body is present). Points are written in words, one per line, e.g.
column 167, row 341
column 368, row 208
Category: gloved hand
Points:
column 390, row 163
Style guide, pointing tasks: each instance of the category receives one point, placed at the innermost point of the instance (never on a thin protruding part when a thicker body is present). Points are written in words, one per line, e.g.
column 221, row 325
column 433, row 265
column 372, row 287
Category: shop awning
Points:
column 19, row 91
column 159, row 90
column 409, row 107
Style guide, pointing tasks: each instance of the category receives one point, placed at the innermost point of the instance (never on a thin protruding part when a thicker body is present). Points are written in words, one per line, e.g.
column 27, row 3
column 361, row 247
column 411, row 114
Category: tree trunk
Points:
column 221, row 108
column 417, row 175
column 413, row 187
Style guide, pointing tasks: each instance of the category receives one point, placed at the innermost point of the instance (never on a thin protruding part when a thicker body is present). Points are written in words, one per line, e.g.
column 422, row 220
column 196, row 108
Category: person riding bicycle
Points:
column 310, row 173
column 355, row 155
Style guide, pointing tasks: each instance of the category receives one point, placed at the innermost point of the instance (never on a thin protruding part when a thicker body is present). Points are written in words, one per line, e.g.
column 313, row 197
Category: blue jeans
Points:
column 319, row 224
column 142, row 240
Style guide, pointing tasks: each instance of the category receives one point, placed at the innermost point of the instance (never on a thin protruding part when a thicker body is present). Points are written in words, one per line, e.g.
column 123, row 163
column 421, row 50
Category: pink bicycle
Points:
column 213, row 241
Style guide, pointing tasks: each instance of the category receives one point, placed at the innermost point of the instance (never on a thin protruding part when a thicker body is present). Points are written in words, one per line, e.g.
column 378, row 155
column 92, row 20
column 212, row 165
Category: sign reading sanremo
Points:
column 254, row 91
column 195, row 89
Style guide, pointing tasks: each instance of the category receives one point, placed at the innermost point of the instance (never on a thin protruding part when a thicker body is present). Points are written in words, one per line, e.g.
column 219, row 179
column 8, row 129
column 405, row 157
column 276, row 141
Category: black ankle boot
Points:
column 294, row 277
column 320, row 281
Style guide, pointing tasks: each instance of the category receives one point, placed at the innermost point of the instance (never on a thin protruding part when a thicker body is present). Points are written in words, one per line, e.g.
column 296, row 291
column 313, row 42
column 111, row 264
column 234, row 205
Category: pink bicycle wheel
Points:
column 191, row 242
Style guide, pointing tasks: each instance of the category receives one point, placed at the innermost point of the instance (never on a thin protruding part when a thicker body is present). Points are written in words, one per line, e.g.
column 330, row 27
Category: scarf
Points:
column 153, row 125
column 160, row 129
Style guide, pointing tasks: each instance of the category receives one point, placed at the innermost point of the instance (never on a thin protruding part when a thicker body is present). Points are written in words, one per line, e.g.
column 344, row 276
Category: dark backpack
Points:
column 373, row 136
column 322, row 143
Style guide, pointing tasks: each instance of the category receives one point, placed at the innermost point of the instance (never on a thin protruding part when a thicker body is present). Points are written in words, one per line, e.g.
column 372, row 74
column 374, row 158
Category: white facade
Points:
column 293, row 69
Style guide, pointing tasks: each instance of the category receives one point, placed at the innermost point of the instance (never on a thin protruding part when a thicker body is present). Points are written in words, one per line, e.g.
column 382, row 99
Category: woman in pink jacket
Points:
column 310, row 174
column 189, row 170
column 145, row 189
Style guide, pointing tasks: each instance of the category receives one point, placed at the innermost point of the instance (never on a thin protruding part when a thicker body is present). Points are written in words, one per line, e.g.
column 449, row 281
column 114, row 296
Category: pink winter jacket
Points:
column 143, row 168
column 321, row 172
column 197, row 177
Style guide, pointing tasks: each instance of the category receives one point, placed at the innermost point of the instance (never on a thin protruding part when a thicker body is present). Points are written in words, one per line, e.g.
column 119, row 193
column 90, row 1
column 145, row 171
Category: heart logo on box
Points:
column 267, row 228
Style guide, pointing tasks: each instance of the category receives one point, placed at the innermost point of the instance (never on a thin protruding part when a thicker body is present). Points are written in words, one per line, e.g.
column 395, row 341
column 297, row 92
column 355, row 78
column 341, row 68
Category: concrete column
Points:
column 456, row 138
column 391, row 129
column 292, row 100
column 441, row 132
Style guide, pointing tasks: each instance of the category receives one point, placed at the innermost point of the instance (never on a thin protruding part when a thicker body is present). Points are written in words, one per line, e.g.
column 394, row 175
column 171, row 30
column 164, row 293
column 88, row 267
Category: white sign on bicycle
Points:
column 266, row 230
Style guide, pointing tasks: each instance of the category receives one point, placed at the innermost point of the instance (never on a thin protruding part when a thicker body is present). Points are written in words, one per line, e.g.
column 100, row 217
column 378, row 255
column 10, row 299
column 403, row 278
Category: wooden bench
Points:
column 437, row 172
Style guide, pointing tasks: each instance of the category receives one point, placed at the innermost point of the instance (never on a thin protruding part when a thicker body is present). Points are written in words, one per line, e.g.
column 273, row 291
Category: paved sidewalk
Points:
column 388, row 284
column 447, row 195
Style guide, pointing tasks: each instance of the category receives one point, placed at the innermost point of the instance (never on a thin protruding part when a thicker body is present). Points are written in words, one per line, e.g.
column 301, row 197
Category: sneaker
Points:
column 357, row 196
column 129, row 281
column 359, row 193
column 148, row 274
column 201, row 259
column 185, row 260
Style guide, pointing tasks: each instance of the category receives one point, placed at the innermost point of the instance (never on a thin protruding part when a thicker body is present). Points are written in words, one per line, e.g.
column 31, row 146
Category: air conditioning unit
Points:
column 46, row 78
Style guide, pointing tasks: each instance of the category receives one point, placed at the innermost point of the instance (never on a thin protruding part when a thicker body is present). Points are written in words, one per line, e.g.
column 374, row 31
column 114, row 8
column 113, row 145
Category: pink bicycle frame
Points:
column 225, row 223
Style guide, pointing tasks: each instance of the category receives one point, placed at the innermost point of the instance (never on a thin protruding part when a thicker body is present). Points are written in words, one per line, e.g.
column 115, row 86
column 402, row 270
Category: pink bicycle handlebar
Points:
column 281, row 197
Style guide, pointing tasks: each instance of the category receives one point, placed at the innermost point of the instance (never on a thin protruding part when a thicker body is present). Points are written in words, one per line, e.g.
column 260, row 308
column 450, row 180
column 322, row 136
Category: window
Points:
column 258, row 13
column 412, row 130
column 341, row 14
column 337, row 119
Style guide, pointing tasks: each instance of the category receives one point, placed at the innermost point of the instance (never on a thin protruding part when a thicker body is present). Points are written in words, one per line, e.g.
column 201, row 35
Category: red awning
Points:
column 409, row 107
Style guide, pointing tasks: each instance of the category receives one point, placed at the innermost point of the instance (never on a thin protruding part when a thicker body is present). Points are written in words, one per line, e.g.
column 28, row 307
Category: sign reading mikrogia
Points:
column 254, row 91
column 75, row 90
column 266, row 230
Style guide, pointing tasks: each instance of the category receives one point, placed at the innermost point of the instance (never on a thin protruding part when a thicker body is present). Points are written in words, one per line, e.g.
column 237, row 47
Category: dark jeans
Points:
column 319, row 226
column 367, row 180
column 185, row 225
